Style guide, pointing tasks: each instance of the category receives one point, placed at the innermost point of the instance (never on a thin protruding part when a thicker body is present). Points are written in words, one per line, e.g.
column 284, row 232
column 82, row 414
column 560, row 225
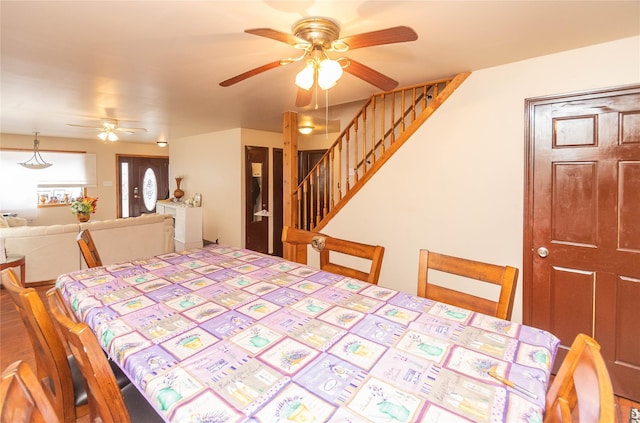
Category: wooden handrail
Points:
column 368, row 141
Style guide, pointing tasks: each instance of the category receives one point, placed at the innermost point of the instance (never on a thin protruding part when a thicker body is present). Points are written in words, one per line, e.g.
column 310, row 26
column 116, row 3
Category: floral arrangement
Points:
column 84, row 205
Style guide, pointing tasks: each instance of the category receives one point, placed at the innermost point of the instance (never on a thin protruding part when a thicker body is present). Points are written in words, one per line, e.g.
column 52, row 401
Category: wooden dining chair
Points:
column 57, row 373
column 326, row 245
column 22, row 399
column 88, row 249
column 107, row 402
column 504, row 276
column 581, row 391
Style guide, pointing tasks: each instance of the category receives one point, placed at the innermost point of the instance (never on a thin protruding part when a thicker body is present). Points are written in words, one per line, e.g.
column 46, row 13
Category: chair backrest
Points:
column 504, row 276
column 582, row 382
column 104, row 396
column 52, row 366
column 22, row 398
column 88, row 248
column 326, row 244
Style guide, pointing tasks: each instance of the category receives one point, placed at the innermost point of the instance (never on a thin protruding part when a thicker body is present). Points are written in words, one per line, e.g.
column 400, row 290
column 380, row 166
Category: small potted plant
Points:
column 82, row 207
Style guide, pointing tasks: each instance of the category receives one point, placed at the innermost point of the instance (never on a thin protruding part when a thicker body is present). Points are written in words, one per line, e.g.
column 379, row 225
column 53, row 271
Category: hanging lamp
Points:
column 36, row 161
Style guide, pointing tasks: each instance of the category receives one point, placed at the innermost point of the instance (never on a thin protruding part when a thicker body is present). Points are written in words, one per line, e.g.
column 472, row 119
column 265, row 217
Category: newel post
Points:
column 290, row 175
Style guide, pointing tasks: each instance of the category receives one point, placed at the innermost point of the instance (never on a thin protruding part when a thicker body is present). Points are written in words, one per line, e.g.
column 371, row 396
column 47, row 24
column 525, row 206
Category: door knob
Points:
column 543, row 252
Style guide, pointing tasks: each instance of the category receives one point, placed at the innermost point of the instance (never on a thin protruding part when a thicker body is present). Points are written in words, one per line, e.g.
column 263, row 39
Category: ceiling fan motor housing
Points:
column 317, row 31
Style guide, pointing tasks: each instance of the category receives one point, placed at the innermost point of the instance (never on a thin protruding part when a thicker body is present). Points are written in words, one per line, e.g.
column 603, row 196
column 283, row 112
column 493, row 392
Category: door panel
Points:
column 278, row 201
column 582, row 225
column 257, row 198
column 141, row 181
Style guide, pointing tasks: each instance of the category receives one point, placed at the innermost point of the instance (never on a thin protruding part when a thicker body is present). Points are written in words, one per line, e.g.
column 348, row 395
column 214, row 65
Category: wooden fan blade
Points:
column 276, row 35
column 303, row 98
column 397, row 34
column 250, row 73
column 97, row 128
column 371, row 76
column 131, row 130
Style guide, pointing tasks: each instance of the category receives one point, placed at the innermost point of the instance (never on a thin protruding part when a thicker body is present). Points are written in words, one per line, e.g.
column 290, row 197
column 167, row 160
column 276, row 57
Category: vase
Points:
column 83, row 217
column 178, row 193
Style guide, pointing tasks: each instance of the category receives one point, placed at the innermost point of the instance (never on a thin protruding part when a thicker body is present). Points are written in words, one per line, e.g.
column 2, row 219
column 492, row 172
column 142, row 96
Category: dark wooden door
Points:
column 278, row 201
column 142, row 181
column 257, row 199
column 582, row 225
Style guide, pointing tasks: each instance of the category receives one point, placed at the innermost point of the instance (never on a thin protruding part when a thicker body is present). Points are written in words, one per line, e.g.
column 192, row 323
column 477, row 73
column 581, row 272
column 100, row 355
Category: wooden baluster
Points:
column 393, row 118
column 325, row 200
column 305, row 203
column 382, row 119
column 299, row 207
column 364, row 141
column 317, row 192
column 413, row 104
column 366, row 152
column 404, row 95
column 339, row 187
column 312, row 191
column 332, row 181
column 346, row 158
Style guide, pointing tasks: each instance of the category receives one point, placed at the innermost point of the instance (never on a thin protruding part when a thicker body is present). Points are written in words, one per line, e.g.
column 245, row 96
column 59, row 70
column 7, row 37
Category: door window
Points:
column 149, row 189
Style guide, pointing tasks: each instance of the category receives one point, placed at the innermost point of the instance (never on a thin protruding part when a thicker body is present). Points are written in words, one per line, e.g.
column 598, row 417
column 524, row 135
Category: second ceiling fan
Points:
column 109, row 128
column 318, row 36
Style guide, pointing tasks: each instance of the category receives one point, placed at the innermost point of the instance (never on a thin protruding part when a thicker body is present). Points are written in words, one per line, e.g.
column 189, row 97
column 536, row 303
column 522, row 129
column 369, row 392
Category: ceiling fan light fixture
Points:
column 36, row 161
column 107, row 135
column 329, row 71
column 304, row 78
column 305, row 130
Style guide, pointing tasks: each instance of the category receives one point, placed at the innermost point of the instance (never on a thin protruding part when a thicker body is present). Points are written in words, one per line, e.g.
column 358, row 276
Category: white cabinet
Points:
column 187, row 224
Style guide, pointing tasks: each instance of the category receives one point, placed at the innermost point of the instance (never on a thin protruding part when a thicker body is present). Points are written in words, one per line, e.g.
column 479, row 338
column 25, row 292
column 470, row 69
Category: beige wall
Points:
column 457, row 185
column 211, row 164
column 105, row 172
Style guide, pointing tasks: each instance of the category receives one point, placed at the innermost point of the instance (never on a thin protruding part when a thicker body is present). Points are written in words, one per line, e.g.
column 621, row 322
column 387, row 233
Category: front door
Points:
column 582, row 225
column 142, row 181
column 257, row 199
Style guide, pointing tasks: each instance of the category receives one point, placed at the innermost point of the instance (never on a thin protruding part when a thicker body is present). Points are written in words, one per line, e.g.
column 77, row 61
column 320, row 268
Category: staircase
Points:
column 379, row 129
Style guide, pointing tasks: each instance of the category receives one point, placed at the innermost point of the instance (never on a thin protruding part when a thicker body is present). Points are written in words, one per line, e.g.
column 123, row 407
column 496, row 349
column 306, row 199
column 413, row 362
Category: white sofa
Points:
column 53, row 250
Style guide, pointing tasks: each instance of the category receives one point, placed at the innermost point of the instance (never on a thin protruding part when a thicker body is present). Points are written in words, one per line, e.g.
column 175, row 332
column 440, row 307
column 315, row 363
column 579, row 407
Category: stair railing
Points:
column 385, row 122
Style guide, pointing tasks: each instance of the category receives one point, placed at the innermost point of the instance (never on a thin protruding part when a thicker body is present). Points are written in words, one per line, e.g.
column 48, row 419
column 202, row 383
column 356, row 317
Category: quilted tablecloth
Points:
column 222, row 334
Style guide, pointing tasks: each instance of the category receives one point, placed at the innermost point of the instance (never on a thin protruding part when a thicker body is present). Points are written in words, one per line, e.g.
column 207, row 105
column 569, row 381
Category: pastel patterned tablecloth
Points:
column 223, row 334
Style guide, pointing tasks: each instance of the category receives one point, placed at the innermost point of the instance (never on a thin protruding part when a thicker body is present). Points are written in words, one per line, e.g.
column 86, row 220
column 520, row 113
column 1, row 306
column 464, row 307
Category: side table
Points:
column 15, row 260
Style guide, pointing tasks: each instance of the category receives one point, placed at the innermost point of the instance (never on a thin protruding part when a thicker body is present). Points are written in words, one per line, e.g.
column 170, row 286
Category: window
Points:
column 21, row 188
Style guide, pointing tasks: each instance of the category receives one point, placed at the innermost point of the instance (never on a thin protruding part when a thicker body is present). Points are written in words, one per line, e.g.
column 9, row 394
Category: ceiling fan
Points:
column 318, row 36
column 109, row 128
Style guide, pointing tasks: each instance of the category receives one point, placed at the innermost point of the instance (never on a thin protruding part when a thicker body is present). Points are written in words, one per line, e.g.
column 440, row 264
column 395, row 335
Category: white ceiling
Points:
column 157, row 64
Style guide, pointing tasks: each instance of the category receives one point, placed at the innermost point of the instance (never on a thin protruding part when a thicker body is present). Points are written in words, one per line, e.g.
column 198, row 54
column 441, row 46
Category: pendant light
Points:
column 36, row 161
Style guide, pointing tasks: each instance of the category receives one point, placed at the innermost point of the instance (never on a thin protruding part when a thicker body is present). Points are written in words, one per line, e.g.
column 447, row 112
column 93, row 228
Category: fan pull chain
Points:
column 326, row 115
column 316, row 88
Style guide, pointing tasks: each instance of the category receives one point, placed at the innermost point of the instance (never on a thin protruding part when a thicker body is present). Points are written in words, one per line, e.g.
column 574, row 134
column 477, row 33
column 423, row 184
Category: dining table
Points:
column 226, row 334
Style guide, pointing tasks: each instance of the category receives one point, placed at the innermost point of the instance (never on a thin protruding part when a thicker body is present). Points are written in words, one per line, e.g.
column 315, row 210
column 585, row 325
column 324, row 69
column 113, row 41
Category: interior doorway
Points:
column 581, row 267
column 257, row 199
column 278, row 201
column 142, row 180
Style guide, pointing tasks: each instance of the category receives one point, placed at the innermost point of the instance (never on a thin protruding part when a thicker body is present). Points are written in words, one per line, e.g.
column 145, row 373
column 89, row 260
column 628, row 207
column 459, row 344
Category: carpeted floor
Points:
column 634, row 415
